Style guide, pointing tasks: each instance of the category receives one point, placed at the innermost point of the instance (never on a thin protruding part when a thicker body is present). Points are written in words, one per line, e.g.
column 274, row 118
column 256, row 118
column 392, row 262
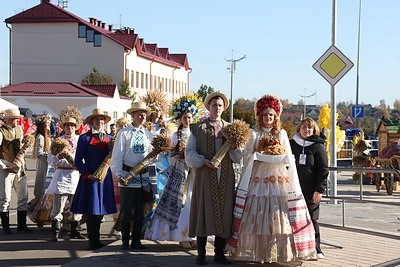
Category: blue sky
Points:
column 280, row 38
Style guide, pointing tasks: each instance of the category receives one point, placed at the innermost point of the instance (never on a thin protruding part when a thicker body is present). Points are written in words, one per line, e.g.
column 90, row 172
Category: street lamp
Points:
column 232, row 70
column 304, row 101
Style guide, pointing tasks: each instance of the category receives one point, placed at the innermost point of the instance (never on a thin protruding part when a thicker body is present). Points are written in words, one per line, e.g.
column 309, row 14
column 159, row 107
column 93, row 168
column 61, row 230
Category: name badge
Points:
column 302, row 159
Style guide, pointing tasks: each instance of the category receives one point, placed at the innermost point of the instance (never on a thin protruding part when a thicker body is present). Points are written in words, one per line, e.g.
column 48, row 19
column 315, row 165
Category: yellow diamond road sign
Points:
column 333, row 65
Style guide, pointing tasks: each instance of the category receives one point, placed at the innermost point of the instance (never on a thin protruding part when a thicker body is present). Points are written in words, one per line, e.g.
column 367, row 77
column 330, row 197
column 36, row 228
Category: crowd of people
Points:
column 268, row 215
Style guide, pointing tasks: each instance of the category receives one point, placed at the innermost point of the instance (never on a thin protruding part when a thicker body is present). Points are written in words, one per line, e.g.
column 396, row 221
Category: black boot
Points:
column 21, row 219
column 55, row 230
column 5, row 222
column 91, row 231
column 136, row 234
column 74, row 233
column 219, row 256
column 201, row 250
column 125, row 230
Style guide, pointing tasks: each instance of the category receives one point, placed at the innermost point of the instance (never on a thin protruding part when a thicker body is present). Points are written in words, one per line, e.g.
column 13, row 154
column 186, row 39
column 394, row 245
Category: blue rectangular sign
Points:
column 357, row 112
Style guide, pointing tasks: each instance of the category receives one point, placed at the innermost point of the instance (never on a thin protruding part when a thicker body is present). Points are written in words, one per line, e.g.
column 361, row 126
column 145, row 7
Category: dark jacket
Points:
column 314, row 173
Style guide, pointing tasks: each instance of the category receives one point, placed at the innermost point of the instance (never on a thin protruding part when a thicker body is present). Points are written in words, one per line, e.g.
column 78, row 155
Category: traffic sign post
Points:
column 357, row 112
column 333, row 65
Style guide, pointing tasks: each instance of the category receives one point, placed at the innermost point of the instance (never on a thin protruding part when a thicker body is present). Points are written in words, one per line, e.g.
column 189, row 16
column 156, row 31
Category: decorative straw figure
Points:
column 27, row 142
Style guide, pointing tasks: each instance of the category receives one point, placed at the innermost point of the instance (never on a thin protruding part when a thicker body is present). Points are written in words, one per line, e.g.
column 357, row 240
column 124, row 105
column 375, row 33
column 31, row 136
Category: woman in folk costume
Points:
column 40, row 150
column 170, row 220
column 93, row 198
column 275, row 225
column 66, row 177
column 156, row 101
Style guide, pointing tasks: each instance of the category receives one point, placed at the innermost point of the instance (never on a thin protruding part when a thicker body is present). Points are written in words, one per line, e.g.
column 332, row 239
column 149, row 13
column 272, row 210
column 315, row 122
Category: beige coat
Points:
column 213, row 193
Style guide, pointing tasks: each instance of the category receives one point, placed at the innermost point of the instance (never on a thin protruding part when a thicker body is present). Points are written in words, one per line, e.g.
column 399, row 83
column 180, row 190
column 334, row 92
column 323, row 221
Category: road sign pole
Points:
column 333, row 178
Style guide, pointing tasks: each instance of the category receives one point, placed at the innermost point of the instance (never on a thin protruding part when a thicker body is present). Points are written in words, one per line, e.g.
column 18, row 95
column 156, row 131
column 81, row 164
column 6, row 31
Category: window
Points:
column 115, row 115
column 169, row 85
column 82, row 31
column 137, row 79
column 124, row 114
column 155, row 83
column 142, row 80
column 132, row 78
column 147, row 81
column 89, row 35
column 97, row 40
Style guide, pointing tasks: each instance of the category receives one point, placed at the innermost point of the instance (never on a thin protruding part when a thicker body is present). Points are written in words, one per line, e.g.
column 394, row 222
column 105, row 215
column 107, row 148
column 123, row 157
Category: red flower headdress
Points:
column 268, row 101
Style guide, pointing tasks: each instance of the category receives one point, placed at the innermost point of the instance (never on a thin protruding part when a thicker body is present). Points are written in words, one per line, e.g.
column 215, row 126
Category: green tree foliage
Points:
column 95, row 77
column 204, row 91
column 243, row 110
column 124, row 89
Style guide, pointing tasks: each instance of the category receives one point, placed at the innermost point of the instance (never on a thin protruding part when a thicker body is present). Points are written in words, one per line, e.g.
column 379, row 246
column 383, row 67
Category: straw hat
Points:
column 135, row 106
column 97, row 112
column 214, row 94
column 68, row 120
column 12, row 113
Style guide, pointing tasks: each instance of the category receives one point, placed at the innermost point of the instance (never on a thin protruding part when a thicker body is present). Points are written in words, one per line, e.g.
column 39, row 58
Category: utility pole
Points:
column 232, row 70
column 304, row 101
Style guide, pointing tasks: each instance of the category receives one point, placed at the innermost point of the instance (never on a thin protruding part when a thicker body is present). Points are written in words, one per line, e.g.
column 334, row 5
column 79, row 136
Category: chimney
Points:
column 91, row 20
column 44, row 1
column 98, row 23
column 110, row 28
column 103, row 25
column 94, row 21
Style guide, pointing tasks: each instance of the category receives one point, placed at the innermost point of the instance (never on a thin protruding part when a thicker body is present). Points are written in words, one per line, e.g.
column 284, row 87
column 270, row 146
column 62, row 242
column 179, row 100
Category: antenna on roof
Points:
column 63, row 3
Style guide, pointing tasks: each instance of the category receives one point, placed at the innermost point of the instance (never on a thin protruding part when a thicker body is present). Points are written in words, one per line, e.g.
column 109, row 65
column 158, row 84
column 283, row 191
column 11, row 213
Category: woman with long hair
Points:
column 40, row 150
column 170, row 220
column 268, row 231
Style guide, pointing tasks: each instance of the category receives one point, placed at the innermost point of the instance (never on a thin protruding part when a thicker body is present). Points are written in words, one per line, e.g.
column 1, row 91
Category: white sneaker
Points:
column 320, row 256
column 117, row 234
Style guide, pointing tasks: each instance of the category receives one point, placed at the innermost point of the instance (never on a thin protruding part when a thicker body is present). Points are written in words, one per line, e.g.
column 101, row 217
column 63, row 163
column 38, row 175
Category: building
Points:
column 50, row 44
column 51, row 97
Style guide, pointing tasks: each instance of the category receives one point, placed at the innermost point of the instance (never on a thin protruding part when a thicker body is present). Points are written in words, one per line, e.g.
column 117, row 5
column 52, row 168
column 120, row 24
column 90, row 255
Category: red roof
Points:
column 47, row 13
column 57, row 89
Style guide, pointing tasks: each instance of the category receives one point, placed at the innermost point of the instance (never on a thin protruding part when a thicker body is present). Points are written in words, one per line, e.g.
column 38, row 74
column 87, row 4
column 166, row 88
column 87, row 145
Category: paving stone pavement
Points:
column 369, row 238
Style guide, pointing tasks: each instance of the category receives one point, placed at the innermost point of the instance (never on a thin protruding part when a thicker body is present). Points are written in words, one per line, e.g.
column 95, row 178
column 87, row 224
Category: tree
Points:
column 95, row 77
column 396, row 104
column 124, row 89
column 204, row 91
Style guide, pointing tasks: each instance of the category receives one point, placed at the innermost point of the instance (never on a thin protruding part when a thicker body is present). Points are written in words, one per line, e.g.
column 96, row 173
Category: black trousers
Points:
column 132, row 209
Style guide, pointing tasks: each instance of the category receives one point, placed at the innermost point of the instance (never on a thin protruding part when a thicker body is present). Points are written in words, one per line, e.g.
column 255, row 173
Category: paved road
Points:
column 379, row 243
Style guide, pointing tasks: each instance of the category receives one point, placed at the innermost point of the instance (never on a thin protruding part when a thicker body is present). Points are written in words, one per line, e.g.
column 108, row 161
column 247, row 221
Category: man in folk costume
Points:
column 132, row 145
column 66, row 176
column 11, row 136
column 213, row 190
column 93, row 198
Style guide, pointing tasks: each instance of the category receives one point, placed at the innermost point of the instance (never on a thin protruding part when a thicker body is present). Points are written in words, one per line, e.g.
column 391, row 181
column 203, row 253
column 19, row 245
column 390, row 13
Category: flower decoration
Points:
column 44, row 118
column 268, row 101
column 190, row 103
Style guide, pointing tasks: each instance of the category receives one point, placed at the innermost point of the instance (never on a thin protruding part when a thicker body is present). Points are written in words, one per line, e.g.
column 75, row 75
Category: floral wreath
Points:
column 43, row 118
column 268, row 101
column 190, row 103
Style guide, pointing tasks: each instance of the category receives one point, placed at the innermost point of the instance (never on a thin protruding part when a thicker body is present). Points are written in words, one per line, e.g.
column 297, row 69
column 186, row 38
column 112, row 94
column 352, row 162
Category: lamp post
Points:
column 304, row 101
column 232, row 70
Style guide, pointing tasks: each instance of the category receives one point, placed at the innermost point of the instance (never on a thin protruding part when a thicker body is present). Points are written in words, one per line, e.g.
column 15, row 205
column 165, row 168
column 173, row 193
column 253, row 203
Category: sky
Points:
column 281, row 40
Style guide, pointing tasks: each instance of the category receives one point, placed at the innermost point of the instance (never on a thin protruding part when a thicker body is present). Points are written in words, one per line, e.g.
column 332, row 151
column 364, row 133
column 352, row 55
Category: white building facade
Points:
column 61, row 47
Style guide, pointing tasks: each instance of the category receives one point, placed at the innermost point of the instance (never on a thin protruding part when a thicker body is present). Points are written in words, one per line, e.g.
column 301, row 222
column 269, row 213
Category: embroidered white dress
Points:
column 168, row 222
column 265, row 232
